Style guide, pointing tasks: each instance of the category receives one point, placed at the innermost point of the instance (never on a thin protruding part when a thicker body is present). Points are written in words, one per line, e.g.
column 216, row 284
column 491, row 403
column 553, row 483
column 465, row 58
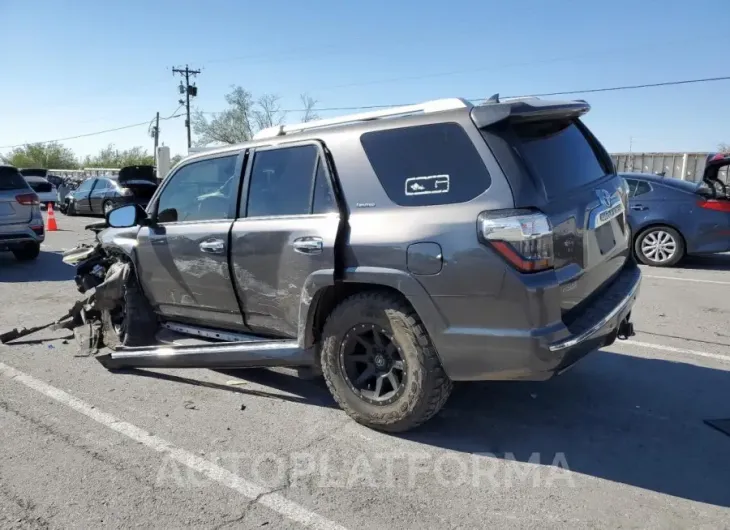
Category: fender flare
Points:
column 399, row 280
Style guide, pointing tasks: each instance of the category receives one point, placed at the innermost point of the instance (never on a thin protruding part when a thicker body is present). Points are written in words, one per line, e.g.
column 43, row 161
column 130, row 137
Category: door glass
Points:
column 281, row 181
column 200, row 191
column 642, row 188
column 632, row 186
column 86, row 185
column 324, row 199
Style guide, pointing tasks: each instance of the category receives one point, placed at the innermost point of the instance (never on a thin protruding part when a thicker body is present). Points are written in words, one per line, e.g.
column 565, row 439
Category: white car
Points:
column 46, row 191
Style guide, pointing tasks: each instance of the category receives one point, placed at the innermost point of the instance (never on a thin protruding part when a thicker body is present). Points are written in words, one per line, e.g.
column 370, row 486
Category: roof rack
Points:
column 436, row 105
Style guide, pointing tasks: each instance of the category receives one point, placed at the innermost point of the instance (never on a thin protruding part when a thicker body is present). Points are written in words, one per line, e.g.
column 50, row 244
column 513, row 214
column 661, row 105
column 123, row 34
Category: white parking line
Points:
column 672, row 349
column 263, row 496
column 685, row 279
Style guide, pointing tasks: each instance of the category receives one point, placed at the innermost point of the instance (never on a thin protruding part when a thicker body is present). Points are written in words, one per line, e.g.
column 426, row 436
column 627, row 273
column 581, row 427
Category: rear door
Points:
column 82, row 196
column 183, row 256
column 98, row 194
column 12, row 186
column 286, row 231
column 562, row 170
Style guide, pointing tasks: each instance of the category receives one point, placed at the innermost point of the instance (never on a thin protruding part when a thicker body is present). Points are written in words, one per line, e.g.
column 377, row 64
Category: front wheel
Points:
column 659, row 246
column 71, row 209
column 132, row 322
column 380, row 365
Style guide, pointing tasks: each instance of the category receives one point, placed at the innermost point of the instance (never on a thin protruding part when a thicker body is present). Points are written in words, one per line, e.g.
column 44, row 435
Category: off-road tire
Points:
column 139, row 324
column 676, row 258
column 427, row 387
column 28, row 252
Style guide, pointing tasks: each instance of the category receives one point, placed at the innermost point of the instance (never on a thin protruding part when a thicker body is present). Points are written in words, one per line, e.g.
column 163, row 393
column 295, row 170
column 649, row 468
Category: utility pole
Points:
column 156, row 135
column 188, row 90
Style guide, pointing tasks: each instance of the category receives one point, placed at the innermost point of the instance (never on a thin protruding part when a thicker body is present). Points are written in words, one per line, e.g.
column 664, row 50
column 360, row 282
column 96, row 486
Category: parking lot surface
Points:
column 618, row 441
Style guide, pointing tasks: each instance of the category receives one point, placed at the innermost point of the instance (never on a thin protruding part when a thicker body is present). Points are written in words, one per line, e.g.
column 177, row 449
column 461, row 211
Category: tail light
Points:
column 28, row 199
column 126, row 192
column 524, row 238
column 713, row 204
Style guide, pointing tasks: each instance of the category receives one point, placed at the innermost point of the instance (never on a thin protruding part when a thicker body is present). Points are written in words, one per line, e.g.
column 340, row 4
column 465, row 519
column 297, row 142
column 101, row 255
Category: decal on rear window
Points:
column 427, row 185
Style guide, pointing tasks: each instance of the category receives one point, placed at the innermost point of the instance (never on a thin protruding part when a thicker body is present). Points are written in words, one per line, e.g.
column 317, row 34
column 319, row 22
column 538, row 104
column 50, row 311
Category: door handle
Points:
column 213, row 246
column 308, row 245
column 639, row 207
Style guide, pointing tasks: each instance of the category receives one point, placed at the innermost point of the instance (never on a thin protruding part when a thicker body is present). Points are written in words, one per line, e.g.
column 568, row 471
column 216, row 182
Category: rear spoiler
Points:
column 529, row 109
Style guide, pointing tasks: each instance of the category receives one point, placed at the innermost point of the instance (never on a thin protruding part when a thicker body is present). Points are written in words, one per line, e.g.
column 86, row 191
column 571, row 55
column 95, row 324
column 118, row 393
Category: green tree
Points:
column 112, row 157
column 244, row 116
column 175, row 159
column 50, row 156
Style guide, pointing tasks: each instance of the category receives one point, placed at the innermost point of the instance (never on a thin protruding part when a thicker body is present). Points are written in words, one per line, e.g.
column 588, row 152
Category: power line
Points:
column 86, row 135
column 375, row 107
column 545, row 94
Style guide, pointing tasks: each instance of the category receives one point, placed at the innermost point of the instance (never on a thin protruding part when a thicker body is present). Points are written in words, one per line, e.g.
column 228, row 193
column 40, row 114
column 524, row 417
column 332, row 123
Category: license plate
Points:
column 606, row 215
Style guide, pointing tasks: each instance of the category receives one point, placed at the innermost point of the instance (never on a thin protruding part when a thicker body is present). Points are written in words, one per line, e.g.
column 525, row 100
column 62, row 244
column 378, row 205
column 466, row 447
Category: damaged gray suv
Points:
column 395, row 251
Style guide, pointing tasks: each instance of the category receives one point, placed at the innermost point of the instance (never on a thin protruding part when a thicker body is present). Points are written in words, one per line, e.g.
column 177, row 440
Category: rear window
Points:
column 10, row 179
column 558, row 153
column 426, row 165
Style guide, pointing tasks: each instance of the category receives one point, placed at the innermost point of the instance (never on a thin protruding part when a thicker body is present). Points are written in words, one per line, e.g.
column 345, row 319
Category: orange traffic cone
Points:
column 51, row 225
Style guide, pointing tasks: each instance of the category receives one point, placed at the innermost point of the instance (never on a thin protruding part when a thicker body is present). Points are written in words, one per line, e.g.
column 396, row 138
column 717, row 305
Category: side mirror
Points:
column 167, row 216
column 126, row 216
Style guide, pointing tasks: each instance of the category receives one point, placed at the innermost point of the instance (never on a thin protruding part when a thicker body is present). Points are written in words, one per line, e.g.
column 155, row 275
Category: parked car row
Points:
column 100, row 195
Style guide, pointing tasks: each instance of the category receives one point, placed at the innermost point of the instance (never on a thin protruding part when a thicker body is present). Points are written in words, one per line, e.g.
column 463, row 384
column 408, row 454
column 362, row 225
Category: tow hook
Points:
column 625, row 330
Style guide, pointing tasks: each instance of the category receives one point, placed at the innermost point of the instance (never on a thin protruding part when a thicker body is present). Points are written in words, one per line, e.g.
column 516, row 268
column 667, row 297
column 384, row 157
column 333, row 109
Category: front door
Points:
column 286, row 231
column 183, row 257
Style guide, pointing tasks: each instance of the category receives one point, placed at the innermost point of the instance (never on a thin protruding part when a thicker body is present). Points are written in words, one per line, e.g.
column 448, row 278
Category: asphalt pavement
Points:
column 617, row 441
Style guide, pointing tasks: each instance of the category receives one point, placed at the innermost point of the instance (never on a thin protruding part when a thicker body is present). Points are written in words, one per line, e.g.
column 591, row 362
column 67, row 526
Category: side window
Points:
column 281, row 181
column 632, row 186
column 86, row 185
column 642, row 188
column 427, row 164
column 198, row 191
column 323, row 200
column 101, row 185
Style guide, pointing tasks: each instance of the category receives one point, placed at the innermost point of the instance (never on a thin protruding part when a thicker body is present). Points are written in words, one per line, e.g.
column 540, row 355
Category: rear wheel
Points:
column 380, row 365
column 27, row 252
column 659, row 246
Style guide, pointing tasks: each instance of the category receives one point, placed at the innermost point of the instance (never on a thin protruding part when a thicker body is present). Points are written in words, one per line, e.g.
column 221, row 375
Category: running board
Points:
column 259, row 354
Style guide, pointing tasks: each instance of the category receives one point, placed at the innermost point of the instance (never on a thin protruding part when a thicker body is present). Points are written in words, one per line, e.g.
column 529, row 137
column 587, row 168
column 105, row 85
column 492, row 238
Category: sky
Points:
column 72, row 67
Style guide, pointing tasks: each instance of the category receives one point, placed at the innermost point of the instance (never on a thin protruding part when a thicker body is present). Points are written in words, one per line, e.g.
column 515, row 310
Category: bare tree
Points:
column 723, row 148
column 233, row 125
column 244, row 116
column 308, row 104
column 268, row 113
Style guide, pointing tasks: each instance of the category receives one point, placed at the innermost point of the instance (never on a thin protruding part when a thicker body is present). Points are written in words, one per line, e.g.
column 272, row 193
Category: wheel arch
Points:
column 322, row 294
column 657, row 224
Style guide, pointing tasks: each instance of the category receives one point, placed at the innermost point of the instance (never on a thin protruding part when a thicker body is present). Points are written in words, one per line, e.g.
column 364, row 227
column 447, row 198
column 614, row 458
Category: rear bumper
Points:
column 470, row 354
column 12, row 237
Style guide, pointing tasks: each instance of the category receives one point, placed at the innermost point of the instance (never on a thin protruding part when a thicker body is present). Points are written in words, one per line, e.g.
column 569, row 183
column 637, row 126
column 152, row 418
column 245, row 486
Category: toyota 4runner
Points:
column 396, row 251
